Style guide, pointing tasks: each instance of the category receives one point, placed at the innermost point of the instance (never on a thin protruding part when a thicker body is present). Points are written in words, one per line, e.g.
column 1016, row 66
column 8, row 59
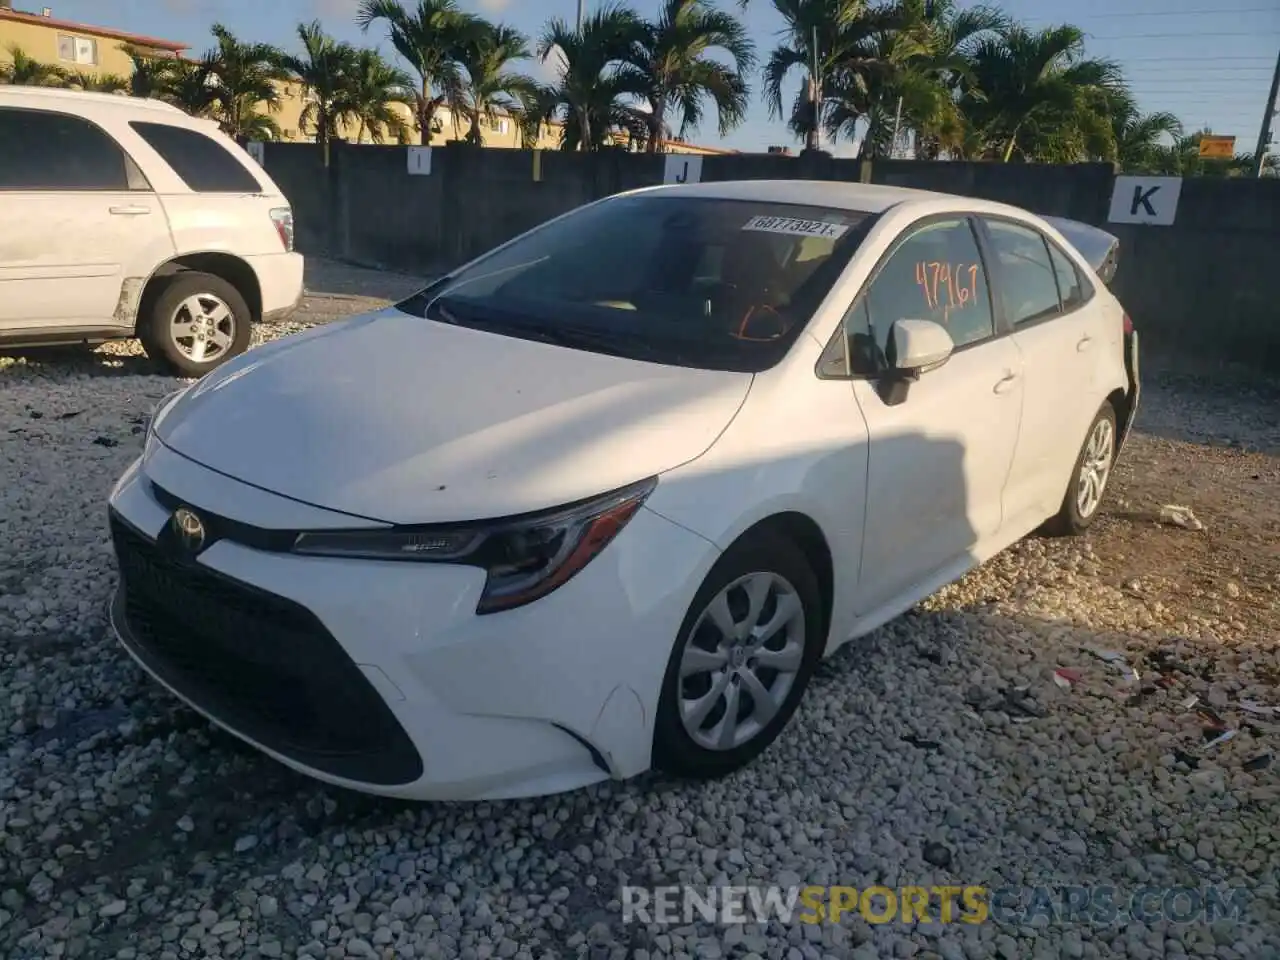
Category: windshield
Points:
column 710, row 283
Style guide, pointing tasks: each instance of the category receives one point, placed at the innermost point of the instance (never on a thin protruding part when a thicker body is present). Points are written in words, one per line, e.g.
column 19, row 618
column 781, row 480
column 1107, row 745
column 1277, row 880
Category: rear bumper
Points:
column 280, row 281
column 1132, row 369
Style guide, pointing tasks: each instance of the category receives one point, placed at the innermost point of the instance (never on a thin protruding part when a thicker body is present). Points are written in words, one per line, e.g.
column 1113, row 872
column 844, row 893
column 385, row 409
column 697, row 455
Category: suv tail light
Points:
column 1128, row 325
column 282, row 217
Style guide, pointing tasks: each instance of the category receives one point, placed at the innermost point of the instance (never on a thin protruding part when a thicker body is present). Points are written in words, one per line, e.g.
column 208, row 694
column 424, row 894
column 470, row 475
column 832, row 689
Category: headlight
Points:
column 525, row 558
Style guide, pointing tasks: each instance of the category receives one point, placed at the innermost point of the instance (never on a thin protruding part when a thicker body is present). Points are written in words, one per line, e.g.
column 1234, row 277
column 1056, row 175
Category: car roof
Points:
column 861, row 197
column 81, row 101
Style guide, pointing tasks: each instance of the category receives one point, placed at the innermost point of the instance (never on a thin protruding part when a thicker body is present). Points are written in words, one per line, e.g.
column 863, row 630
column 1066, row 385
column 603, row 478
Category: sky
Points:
column 1210, row 67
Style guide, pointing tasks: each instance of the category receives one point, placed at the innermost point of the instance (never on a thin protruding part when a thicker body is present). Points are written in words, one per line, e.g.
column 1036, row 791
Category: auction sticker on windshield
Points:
column 797, row 228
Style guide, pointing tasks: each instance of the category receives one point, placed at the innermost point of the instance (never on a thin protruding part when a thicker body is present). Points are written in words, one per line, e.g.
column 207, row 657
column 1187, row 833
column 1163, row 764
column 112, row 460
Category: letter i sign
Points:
column 1147, row 200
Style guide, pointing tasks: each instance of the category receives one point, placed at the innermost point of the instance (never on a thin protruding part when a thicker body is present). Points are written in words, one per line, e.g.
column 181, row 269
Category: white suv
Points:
column 123, row 217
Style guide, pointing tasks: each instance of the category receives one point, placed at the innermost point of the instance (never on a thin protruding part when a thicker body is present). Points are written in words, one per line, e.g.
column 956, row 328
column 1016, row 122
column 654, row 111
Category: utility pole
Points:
column 580, row 2
column 1264, row 138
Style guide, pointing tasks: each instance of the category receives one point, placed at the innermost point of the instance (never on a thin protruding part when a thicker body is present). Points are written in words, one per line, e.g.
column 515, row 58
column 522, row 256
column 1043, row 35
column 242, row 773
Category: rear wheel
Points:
column 1089, row 477
column 196, row 322
column 742, row 660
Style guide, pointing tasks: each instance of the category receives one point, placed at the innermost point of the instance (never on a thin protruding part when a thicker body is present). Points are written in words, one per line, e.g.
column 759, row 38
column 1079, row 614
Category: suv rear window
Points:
column 203, row 164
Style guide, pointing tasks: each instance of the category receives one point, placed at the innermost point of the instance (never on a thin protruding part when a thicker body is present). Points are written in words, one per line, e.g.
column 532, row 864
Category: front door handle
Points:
column 1084, row 344
column 131, row 210
column 1005, row 383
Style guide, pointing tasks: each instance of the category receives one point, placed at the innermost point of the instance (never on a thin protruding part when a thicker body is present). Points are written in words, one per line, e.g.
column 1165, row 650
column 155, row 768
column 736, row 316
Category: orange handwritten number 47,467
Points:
column 949, row 286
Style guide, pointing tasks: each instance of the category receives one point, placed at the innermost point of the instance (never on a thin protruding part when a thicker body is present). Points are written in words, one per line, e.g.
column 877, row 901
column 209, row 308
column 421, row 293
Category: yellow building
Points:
column 76, row 47
column 498, row 131
column 81, row 48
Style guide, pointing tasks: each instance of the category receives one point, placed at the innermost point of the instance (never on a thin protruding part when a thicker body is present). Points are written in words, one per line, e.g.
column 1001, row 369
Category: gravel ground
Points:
column 130, row 828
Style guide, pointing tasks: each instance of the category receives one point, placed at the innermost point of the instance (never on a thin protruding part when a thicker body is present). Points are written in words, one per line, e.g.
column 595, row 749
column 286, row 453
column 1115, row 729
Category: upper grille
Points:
column 263, row 665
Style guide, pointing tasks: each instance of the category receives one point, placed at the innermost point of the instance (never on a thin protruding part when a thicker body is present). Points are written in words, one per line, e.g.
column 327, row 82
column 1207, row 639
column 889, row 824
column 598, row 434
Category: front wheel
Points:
column 195, row 323
column 1089, row 477
column 742, row 659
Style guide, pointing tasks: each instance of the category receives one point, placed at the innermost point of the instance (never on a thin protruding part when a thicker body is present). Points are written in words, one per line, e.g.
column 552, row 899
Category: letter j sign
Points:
column 1150, row 200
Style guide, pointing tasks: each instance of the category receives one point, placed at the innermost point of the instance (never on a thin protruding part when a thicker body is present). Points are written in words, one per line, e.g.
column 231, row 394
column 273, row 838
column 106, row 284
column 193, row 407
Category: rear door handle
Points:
column 131, row 210
column 1084, row 344
column 1005, row 383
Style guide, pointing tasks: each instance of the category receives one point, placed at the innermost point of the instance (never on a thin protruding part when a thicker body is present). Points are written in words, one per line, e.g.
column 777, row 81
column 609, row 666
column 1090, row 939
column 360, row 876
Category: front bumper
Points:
column 379, row 676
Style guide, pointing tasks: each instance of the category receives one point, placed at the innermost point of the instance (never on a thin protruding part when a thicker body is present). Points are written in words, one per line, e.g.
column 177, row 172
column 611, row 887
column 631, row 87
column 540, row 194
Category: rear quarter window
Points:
column 201, row 162
column 1074, row 288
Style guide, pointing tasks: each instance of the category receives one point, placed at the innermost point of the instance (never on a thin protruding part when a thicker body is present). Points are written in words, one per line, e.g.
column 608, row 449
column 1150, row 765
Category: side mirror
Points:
column 914, row 347
column 919, row 346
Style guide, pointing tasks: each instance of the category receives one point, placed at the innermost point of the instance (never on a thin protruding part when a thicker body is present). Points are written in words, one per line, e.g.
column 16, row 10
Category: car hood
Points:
column 396, row 418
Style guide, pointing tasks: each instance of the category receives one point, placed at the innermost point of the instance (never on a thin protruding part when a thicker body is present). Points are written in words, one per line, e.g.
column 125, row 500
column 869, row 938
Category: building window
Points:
column 498, row 125
column 82, row 50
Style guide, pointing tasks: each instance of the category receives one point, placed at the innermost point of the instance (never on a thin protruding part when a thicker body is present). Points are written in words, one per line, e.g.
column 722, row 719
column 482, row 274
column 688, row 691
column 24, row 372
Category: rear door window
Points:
column 1026, row 275
column 201, row 162
column 42, row 150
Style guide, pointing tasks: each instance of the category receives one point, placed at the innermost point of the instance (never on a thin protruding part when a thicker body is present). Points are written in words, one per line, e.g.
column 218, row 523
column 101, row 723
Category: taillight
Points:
column 282, row 217
column 1128, row 325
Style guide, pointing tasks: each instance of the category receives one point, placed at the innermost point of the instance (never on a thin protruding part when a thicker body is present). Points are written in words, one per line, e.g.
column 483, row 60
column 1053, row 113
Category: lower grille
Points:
column 259, row 663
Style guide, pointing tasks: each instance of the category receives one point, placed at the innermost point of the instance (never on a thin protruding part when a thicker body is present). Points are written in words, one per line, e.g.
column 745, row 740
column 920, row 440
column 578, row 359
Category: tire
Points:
column 763, row 556
column 1072, row 518
column 224, row 322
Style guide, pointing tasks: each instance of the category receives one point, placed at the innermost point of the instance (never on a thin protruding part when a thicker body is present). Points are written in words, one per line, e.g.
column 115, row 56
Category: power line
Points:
column 1199, row 70
column 1166, row 59
column 1170, row 36
column 1179, row 13
column 1233, row 81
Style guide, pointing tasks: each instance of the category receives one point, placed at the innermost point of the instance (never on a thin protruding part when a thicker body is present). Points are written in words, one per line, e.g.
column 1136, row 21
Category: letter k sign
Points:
column 1142, row 198
column 1145, row 200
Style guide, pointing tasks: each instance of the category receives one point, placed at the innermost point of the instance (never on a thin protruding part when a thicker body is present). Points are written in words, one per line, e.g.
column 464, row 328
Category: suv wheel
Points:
column 197, row 322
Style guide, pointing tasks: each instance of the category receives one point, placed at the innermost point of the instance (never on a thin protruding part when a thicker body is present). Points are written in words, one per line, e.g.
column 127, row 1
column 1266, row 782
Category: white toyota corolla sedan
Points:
column 601, row 499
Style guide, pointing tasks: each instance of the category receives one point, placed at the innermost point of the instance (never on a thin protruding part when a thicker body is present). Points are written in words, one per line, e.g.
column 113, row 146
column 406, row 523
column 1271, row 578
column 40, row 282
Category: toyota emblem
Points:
column 189, row 528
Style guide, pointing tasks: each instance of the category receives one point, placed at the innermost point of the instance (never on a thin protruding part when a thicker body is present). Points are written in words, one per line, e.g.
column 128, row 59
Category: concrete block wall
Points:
column 1200, row 286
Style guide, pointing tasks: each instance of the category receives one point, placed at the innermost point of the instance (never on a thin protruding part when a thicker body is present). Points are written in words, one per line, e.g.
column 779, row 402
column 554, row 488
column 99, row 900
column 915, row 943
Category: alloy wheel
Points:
column 741, row 661
column 203, row 327
column 1095, row 469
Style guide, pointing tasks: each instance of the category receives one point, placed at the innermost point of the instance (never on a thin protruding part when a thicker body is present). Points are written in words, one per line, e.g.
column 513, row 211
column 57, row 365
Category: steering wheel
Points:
column 759, row 316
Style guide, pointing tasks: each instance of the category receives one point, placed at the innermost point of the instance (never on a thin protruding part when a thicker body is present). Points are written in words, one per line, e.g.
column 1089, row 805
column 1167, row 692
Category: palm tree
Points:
column 189, row 85
column 816, row 34
column 672, row 65
column 25, row 71
column 151, row 76
column 242, row 76
column 431, row 39
column 371, row 99
column 98, row 82
column 1140, row 137
column 1034, row 95
column 593, row 92
column 891, row 74
column 491, row 88
column 325, row 73
column 952, row 36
